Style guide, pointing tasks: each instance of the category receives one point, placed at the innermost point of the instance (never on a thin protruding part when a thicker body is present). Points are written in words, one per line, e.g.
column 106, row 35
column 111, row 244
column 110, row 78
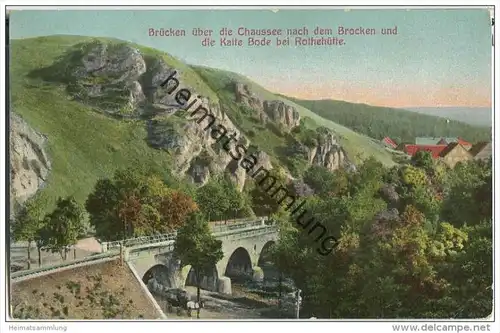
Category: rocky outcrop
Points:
column 246, row 97
column 107, row 76
column 276, row 111
column 382, row 225
column 281, row 113
column 327, row 152
column 390, row 195
column 301, row 188
column 29, row 162
column 195, row 145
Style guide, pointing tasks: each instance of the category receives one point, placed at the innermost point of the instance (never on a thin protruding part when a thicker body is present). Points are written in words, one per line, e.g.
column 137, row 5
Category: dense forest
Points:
column 400, row 125
column 414, row 241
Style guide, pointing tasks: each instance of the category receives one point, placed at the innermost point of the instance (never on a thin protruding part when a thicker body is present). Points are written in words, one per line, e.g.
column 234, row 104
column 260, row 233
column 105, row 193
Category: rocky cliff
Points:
column 327, row 152
column 120, row 80
column 29, row 162
column 274, row 110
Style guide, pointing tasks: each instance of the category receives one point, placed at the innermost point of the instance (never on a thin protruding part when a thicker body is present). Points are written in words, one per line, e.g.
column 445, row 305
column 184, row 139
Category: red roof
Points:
column 389, row 142
column 435, row 150
column 463, row 142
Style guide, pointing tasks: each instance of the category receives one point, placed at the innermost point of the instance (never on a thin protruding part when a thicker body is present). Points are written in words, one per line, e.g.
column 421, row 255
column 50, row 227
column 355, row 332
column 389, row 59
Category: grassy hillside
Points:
column 400, row 125
column 354, row 143
column 84, row 144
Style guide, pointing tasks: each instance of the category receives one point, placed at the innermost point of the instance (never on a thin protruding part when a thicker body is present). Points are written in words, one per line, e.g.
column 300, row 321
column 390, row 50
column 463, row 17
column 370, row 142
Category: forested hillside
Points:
column 414, row 241
column 399, row 125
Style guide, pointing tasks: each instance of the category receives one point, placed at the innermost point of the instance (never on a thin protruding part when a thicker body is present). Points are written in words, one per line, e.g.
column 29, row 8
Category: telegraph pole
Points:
column 298, row 301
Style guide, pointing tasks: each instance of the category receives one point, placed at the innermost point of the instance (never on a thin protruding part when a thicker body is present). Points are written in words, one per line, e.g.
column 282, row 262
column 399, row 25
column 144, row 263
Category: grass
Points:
column 265, row 137
column 102, row 291
column 357, row 146
column 83, row 145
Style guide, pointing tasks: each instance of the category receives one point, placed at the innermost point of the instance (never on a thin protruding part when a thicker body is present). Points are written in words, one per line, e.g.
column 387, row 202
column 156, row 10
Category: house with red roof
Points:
column 450, row 154
column 442, row 141
column 435, row 150
column 446, row 141
column 389, row 143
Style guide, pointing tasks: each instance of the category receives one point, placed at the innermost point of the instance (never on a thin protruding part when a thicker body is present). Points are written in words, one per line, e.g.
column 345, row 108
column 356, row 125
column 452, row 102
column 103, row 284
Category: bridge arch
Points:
column 265, row 254
column 160, row 273
column 208, row 281
column 239, row 265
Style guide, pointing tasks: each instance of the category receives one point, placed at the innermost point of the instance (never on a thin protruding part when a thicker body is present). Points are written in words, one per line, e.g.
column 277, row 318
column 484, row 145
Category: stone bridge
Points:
column 245, row 245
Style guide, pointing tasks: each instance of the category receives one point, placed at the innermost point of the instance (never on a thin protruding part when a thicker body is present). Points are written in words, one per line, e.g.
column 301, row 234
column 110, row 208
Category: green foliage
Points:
column 28, row 222
column 63, row 227
column 379, row 122
column 219, row 199
column 196, row 246
column 423, row 159
column 431, row 258
column 134, row 203
column 413, row 177
column 468, row 190
column 261, row 191
column 324, row 182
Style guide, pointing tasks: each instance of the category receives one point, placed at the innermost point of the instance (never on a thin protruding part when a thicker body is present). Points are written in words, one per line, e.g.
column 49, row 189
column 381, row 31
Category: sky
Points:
column 438, row 58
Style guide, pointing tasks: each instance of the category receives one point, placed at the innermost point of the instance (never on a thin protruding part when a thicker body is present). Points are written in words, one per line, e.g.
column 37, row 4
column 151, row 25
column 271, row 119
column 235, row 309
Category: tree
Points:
column 133, row 204
column 27, row 225
column 213, row 200
column 196, row 246
column 176, row 207
column 219, row 199
column 63, row 226
column 423, row 159
column 468, row 190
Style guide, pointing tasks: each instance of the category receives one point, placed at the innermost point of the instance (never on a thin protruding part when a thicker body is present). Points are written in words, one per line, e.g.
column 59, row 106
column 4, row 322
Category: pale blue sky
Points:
column 439, row 57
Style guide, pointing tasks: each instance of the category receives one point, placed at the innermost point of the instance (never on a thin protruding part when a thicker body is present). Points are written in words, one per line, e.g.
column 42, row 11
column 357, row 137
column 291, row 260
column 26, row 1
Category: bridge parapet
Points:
column 217, row 227
column 139, row 246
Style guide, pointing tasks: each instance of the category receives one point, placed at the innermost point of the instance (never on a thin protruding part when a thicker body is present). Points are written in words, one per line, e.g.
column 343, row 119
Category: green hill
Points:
column 354, row 143
column 85, row 144
column 400, row 125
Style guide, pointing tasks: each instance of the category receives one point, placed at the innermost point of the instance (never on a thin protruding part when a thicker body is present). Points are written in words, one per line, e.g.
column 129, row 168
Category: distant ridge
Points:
column 473, row 116
column 401, row 125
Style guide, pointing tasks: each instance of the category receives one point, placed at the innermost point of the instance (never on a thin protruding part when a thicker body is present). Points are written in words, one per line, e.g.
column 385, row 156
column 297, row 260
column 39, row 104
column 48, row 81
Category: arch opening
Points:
column 239, row 266
column 265, row 262
column 208, row 281
column 158, row 278
column 265, row 254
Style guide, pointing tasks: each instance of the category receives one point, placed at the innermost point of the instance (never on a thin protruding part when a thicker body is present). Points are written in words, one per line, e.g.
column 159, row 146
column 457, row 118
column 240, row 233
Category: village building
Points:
column 454, row 153
column 481, row 151
column 435, row 150
column 389, row 143
column 442, row 141
column 427, row 141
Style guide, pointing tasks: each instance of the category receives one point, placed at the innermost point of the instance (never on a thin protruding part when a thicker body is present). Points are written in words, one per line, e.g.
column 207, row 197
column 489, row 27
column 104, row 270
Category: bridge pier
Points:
column 257, row 274
column 224, row 285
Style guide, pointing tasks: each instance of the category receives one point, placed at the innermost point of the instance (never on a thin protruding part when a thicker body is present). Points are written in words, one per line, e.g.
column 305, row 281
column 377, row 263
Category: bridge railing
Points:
column 69, row 263
column 110, row 249
column 107, row 246
column 216, row 227
column 222, row 226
